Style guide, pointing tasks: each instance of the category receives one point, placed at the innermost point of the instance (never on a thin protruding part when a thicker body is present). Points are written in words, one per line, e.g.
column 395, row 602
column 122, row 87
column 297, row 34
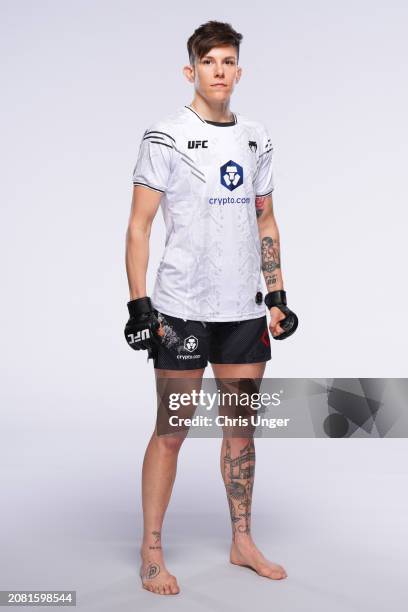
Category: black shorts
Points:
column 188, row 345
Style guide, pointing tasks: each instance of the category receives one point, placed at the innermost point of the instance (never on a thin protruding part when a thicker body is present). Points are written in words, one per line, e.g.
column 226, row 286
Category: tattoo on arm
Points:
column 271, row 280
column 270, row 251
column 259, row 205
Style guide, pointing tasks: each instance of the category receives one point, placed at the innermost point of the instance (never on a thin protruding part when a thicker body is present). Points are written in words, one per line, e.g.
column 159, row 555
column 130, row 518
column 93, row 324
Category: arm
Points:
column 270, row 246
column 270, row 255
column 145, row 203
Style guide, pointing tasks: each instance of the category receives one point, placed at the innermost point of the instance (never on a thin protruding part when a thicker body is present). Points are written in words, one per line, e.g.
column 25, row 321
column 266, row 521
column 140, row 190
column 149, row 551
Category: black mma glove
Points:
column 140, row 330
column 290, row 322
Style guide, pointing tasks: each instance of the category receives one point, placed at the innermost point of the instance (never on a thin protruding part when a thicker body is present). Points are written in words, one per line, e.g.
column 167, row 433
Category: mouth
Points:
column 218, row 85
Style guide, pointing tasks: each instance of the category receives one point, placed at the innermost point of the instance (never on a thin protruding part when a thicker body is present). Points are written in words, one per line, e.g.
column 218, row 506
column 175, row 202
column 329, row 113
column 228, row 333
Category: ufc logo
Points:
column 196, row 144
column 141, row 335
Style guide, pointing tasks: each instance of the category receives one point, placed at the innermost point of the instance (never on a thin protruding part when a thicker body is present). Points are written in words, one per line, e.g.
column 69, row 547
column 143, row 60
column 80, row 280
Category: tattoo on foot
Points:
column 152, row 570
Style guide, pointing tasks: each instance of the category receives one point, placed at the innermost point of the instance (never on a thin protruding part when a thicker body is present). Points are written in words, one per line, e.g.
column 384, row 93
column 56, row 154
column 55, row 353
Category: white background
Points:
column 81, row 82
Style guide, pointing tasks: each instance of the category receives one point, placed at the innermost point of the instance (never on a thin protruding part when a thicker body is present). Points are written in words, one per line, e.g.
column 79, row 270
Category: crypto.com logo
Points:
column 232, row 175
column 190, row 343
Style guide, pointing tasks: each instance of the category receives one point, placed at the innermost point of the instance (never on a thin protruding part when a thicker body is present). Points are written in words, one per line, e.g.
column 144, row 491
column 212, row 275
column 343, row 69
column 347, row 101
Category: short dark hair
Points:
column 209, row 35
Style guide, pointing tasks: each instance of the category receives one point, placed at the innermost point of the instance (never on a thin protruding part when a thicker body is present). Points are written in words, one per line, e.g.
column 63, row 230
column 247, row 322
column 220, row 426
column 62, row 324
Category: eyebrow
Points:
column 225, row 58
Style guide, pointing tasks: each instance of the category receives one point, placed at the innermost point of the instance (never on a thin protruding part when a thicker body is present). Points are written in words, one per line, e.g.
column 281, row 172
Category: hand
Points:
column 276, row 316
column 283, row 322
column 142, row 326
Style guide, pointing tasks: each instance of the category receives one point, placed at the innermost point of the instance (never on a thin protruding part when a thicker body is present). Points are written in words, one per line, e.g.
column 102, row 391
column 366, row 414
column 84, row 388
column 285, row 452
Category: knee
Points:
column 169, row 444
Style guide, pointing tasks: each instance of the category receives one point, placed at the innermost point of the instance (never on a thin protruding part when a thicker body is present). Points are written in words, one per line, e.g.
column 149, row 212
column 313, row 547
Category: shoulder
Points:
column 166, row 129
column 257, row 127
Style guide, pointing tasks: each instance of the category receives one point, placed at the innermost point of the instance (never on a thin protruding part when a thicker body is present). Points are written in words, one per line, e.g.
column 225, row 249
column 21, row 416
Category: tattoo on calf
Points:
column 270, row 254
column 157, row 536
column 238, row 473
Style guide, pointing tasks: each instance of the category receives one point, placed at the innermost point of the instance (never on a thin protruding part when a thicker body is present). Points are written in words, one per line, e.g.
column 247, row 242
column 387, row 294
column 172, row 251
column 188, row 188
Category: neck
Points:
column 218, row 111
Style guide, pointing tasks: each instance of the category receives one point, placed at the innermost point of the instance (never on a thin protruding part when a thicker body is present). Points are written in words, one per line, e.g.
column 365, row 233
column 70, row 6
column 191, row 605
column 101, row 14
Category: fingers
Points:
column 275, row 326
column 276, row 330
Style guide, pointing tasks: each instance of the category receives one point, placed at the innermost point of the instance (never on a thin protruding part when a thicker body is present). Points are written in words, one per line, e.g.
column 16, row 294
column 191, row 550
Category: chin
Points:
column 219, row 95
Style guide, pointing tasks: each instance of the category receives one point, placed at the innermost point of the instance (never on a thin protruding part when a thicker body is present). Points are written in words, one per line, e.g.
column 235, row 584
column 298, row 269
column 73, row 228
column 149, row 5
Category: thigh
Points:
column 240, row 343
column 238, row 381
column 239, row 370
column 170, row 386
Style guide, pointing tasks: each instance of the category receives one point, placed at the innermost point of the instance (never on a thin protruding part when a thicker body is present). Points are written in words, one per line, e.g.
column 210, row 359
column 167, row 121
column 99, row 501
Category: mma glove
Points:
column 290, row 322
column 140, row 330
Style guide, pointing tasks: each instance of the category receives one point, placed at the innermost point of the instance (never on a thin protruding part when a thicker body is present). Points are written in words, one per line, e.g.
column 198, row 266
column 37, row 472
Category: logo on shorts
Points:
column 190, row 343
column 232, row 175
column 265, row 338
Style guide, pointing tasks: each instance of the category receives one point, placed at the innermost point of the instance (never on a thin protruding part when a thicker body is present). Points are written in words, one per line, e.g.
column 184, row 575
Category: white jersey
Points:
column 209, row 174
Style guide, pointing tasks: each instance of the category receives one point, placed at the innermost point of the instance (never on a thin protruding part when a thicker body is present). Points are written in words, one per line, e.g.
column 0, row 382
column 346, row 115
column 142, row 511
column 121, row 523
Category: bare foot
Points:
column 245, row 553
column 154, row 575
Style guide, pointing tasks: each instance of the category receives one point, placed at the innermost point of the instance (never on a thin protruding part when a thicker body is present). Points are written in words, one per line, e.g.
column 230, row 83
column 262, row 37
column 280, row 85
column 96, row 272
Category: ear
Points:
column 188, row 72
column 239, row 74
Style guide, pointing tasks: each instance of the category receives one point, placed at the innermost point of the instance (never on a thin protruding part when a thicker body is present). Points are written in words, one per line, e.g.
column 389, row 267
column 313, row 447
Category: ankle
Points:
column 240, row 539
column 150, row 547
column 151, row 541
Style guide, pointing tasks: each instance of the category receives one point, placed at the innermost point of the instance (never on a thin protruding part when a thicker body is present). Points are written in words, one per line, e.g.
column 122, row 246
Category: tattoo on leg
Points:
column 157, row 536
column 238, row 473
column 270, row 254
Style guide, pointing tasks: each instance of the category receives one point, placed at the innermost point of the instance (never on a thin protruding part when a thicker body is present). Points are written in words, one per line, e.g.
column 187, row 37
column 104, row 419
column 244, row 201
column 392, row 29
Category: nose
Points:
column 219, row 69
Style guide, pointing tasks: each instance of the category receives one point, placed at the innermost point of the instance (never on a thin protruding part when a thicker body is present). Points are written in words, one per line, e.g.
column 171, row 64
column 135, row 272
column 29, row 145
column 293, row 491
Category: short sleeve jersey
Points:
column 209, row 174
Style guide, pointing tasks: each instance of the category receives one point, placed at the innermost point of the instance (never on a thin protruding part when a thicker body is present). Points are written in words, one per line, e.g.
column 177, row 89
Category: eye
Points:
column 206, row 61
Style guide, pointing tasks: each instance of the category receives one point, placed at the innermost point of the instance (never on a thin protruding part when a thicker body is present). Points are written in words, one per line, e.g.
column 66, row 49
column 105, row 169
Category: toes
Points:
column 282, row 571
column 274, row 573
column 169, row 588
column 174, row 588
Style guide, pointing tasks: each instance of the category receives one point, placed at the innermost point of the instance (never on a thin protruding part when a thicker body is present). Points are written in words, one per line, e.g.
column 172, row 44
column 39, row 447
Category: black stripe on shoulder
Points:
column 159, row 142
column 265, row 152
column 149, row 186
column 157, row 132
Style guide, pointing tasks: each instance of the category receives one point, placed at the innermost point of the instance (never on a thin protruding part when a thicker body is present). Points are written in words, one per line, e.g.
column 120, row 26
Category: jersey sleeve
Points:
column 153, row 164
column 264, row 183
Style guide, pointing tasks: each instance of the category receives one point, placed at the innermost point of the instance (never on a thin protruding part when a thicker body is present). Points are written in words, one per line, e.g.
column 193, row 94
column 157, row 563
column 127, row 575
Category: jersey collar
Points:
column 216, row 123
